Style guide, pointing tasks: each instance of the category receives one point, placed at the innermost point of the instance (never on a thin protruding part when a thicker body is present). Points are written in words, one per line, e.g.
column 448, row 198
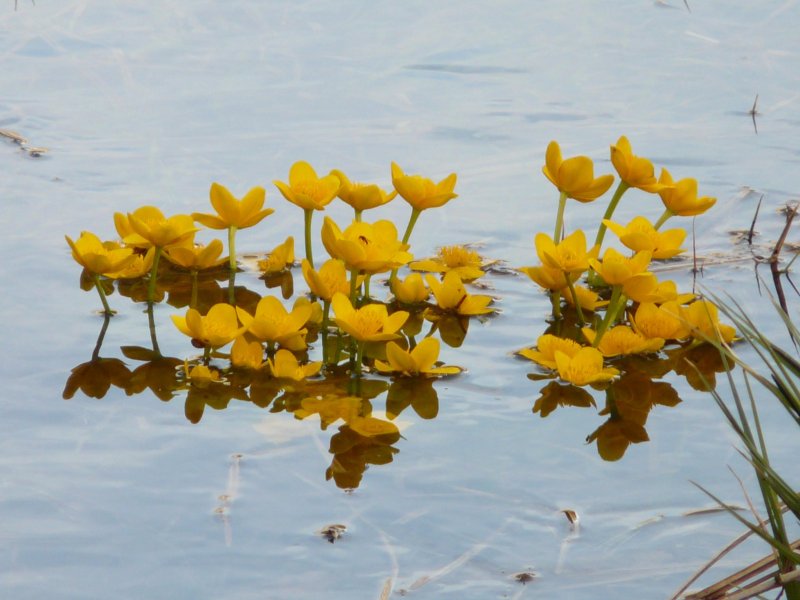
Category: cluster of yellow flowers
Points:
column 270, row 341
column 624, row 309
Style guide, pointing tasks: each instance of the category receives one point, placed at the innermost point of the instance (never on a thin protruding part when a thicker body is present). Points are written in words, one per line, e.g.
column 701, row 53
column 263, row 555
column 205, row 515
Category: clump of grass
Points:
column 779, row 376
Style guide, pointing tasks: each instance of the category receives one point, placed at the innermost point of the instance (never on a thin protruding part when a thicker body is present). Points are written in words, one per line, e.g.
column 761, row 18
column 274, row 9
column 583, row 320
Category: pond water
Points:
column 148, row 103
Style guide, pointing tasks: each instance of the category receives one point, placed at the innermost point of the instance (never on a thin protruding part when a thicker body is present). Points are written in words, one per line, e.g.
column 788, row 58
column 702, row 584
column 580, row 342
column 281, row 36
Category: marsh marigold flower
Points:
column 574, row 176
column 680, row 198
column 306, row 189
column 584, row 367
column 151, row 228
column 622, row 340
column 280, row 257
column 411, row 290
column 451, row 296
column 635, row 171
column 702, row 318
column 232, row 212
column 462, row 260
column 616, row 269
column 273, row 324
column 214, row 330
column 285, row 366
column 421, row 360
column 547, row 345
column 660, row 321
column 361, row 196
column 98, row 257
column 569, row 256
column 640, row 235
column 330, row 278
column 197, row 257
column 548, row 277
column 368, row 248
column 420, row 192
column 370, row 323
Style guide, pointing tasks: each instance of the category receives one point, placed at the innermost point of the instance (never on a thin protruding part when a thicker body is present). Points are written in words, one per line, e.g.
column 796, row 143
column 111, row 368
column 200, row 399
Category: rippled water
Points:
column 150, row 102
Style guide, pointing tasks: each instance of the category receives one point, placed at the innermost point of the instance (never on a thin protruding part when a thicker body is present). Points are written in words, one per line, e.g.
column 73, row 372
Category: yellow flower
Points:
column 452, row 297
column 702, row 318
column 419, row 361
column 329, row 279
column 306, row 190
column 370, row 323
column 368, row 248
column 587, row 299
column 361, row 196
column 197, row 257
column 151, row 228
column 273, row 324
column 574, row 176
column 138, row 267
column 462, row 260
column 420, row 192
column 280, row 257
column 247, row 355
column 584, row 367
column 214, row 330
column 634, row 170
column 411, row 290
column 548, row 277
column 97, row 257
column 680, row 198
column 315, row 317
column 640, row 234
column 285, row 366
column 616, row 269
column 232, row 212
column 621, row 340
column 660, row 321
column 569, row 255
column 546, row 347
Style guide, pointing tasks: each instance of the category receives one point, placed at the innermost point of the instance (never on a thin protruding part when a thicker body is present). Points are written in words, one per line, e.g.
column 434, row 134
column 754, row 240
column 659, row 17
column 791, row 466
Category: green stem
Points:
column 98, row 284
column 366, row 286
column 664, row 216
column 358, row 215
column 555, row 300
column 193, row 301
column 307, row 214
column 232, row 287
column 353, row 286
column 415, row 212
column 232, row 247
column 559, row 232
column 617, row 298
column 359, row 358
column 206, row 355
column 326, row 309
column 151, row 289
column 572, row 291
column 601, row 232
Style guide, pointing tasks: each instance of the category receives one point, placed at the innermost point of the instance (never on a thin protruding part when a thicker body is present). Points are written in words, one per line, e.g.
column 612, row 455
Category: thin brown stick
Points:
column 779, row 244
column 753, row 224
